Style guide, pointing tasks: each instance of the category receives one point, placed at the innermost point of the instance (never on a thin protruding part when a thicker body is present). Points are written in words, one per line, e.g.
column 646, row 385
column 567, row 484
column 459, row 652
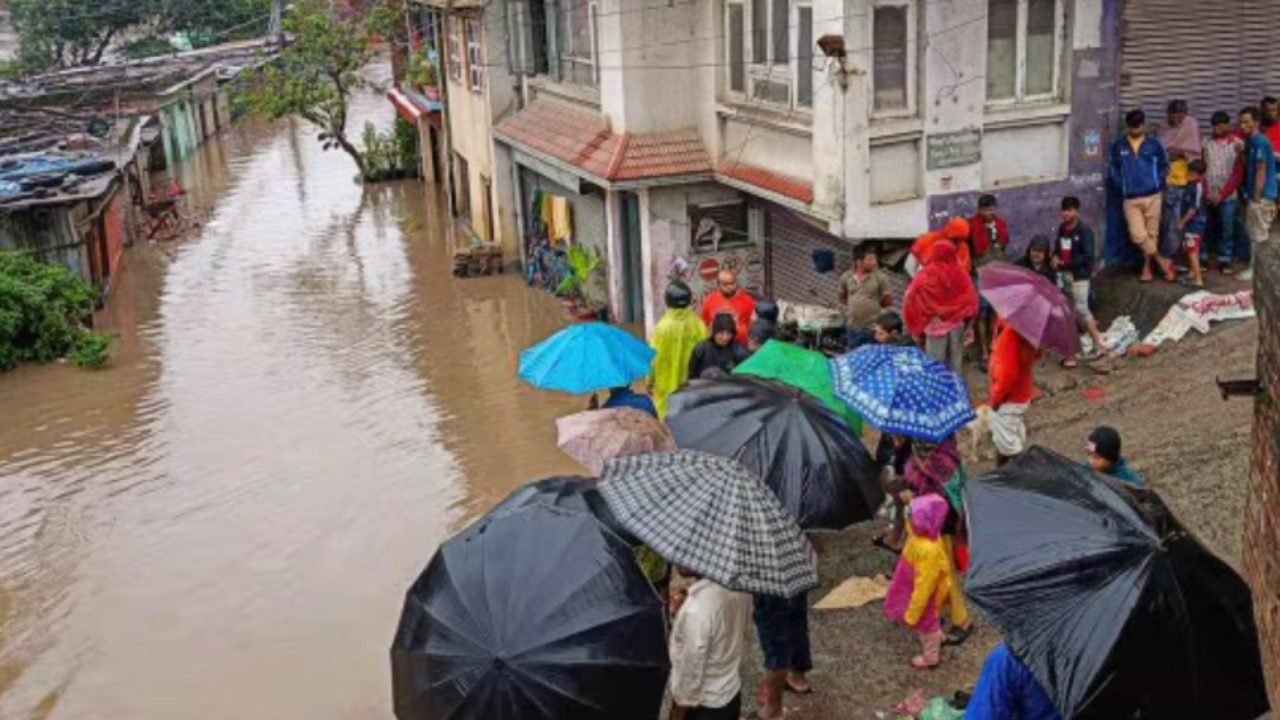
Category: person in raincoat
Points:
column 938, row 469
column 1012, row 372
column 1008, row 691
column 678, row 332
column 940, row 304
column 923, row 581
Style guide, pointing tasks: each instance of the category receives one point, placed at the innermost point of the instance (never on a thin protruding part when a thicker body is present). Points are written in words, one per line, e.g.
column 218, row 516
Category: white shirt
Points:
column 707, row 642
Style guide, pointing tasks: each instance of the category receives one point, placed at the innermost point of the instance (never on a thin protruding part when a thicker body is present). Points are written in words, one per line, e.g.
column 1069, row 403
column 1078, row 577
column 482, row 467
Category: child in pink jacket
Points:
column 923, row 581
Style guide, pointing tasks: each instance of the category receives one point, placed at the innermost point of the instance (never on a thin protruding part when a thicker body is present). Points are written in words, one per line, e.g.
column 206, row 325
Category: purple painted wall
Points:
column 1033, row 209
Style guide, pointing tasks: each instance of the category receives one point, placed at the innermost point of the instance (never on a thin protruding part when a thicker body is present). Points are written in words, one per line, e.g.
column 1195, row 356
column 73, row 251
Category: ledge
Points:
column 996, row 118
column 798, row 122
column 588, row 97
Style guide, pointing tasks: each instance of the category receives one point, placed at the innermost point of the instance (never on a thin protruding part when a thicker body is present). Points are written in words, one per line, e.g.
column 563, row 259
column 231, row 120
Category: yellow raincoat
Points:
column 679, row 330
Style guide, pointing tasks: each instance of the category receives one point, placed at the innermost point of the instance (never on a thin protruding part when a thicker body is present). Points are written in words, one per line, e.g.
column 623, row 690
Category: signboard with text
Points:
column 954, row 149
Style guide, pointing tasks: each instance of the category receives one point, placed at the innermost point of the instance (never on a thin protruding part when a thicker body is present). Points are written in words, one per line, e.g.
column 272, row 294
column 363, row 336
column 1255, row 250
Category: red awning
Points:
column 404, row 105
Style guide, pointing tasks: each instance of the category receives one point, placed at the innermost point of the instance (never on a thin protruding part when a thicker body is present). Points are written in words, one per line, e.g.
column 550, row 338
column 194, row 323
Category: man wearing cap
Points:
column 1105, row 457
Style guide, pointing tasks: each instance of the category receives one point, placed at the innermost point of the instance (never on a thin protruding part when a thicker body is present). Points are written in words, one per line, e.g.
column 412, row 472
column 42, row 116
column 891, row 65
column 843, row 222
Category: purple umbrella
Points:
column 1033, row 306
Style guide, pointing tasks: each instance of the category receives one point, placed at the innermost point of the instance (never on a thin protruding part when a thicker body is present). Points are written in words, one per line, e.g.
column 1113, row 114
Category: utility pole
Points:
column 276, row 31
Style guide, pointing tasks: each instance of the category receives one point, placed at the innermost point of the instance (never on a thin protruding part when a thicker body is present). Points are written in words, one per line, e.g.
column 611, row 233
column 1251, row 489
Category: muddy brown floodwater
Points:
column 303, row 404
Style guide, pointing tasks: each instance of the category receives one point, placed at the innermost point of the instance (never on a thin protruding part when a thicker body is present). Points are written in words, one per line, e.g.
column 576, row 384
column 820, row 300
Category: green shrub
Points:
column 92, row 350
column 44, row 313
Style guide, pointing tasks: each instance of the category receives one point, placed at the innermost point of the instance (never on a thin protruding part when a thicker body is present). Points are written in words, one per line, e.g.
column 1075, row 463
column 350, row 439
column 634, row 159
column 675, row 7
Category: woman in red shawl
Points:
column 939, row 304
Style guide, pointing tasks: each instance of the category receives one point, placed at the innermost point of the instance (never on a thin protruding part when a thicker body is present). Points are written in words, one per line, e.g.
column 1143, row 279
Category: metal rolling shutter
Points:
column 1215, row 55
column 792, row 277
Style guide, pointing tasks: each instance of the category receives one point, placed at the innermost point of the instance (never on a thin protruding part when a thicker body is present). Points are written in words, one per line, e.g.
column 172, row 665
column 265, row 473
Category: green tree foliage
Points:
column 57, row 34
column 68, row 33
column 44, row 310
column 315, row 75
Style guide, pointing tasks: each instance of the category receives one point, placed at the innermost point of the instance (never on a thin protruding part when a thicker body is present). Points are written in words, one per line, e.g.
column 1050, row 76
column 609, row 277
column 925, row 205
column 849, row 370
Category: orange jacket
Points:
column 1012, row 368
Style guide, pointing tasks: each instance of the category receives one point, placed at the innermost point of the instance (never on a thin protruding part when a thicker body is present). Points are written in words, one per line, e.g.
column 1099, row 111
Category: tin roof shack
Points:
column 66, row 208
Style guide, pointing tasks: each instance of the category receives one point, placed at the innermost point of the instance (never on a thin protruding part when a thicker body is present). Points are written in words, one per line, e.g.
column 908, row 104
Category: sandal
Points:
column 919, row 663
column 1228, row 270
column 1070, row 363
column 957, row 636
column 788, row 687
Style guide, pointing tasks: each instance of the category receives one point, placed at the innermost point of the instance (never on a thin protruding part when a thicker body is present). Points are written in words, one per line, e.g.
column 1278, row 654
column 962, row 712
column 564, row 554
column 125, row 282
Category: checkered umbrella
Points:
column 712, row 516
column 901, row 390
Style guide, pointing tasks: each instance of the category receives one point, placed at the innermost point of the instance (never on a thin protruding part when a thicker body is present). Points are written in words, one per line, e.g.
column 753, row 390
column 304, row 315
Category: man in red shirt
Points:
column 729, row 298
column 1271, row 122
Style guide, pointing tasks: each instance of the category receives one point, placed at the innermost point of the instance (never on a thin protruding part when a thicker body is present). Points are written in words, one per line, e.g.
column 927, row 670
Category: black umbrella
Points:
column 578, row 494
column 1116, row 608
column 540, row 614
column 804, row 452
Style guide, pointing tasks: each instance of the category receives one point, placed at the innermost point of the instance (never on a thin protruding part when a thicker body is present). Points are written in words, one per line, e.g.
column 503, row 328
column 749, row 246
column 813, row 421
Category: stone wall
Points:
column 1262, row 534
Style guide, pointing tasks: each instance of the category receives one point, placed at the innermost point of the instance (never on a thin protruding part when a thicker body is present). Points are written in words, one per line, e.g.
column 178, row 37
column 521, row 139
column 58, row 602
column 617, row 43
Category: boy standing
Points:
column 1076, row 249
column 988, row 238
column 1259, row 188
column 1220, row 154
column 1195, row 219
column 1138, row 169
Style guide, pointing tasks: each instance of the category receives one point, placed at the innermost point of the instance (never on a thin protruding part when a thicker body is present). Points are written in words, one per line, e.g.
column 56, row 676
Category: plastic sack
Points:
column 938, row 709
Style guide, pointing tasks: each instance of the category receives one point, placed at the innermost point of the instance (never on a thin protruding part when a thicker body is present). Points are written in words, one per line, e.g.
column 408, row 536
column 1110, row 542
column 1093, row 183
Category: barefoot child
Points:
column 923, row 581
column 1196, row 219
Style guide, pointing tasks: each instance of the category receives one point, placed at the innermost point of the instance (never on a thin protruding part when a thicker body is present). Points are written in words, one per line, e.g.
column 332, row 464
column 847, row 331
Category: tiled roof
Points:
column 581, row 138
column 774, row 182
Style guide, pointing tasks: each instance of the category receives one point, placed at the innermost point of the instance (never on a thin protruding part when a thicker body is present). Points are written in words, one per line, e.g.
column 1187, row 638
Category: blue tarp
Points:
column 13, row 170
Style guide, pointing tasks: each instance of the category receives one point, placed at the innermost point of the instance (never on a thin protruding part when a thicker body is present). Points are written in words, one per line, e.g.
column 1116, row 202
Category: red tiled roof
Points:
column 774, row 182
column 580, row 138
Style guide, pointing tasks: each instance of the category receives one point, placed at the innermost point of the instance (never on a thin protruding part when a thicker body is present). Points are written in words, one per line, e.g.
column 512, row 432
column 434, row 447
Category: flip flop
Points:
column 788, row 687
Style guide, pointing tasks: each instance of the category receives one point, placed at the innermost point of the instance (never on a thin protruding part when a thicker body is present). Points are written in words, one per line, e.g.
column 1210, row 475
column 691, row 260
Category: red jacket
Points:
column 1012, row 368
column 980, row 239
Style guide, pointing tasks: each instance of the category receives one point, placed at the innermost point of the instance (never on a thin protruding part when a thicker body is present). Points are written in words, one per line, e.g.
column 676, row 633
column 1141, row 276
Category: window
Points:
column 893, row 58
column 475, row 59
column 1023, row 50
column 455, row 49
column 718, row 226
column 576, row 37
column 429, row 26
column 769, row 52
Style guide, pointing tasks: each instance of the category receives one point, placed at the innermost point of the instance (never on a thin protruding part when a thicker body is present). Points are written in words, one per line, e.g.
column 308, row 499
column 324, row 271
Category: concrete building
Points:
column 469, row 37
column 691, row 136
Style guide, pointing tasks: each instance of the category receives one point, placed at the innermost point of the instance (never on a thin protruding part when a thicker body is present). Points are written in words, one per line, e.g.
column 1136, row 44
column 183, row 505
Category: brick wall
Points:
column 1262, row 533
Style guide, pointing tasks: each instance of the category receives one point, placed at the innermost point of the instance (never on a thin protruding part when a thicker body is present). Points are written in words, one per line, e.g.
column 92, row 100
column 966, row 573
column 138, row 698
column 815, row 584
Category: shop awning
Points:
column 404, row 106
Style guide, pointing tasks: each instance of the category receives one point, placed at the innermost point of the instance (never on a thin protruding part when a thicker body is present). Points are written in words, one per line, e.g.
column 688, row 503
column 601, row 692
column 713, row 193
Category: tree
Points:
column 57, row 34
column 315, row 74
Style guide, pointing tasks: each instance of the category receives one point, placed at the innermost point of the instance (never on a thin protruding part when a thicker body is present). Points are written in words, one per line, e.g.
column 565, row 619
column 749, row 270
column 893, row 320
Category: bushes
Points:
column 44, row 312
column 390, row 155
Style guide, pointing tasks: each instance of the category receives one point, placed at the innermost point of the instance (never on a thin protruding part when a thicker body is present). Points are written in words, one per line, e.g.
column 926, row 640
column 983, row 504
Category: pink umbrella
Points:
column 1033, row 306
column 594, row 436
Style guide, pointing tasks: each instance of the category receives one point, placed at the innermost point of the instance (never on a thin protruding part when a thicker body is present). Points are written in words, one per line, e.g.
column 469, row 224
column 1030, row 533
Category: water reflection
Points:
column 303, row 404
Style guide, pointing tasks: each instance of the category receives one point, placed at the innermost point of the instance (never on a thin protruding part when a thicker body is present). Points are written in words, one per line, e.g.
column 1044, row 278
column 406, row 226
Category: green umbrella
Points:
column 804, row 369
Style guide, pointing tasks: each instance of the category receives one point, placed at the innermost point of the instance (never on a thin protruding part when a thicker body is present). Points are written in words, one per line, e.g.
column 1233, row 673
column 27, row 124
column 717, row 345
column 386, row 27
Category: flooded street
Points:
column 303, row 404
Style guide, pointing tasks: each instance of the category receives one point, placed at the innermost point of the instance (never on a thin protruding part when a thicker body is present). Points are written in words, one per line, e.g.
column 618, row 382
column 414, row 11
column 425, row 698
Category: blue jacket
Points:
column 1008, row 691
column 1122, row 472
column 628, row 398
column 1140, row 174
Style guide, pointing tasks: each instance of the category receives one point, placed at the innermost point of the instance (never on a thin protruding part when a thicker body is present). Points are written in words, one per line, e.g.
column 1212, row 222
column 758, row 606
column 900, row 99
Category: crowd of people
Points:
column 922, row 479
column 1185, row 204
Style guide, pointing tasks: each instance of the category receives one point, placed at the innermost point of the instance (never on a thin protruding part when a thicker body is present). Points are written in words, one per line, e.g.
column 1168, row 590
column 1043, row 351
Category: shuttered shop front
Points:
column 1214, row 55
column 790, row 258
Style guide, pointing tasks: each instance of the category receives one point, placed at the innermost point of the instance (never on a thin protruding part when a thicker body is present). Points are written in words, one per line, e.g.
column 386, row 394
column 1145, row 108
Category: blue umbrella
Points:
column 901, row 390
column 585, row 358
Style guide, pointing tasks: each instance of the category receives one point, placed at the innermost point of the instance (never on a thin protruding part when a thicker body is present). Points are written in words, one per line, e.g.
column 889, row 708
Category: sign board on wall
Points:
column 954, row 149
column 703, row 268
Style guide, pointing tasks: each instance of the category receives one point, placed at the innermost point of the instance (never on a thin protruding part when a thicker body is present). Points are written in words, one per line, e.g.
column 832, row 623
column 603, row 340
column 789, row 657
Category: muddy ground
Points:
column 1178, row 432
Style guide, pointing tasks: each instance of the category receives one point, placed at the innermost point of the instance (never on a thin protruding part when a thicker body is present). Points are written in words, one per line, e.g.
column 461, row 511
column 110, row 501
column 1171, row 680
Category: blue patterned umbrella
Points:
column 901, row 390
column 585, row 358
